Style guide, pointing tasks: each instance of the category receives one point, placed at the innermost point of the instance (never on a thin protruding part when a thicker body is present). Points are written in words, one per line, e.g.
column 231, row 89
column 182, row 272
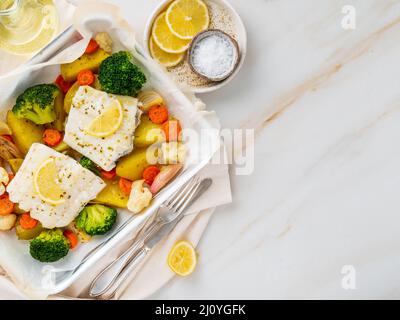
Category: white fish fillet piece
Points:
column 80, row 186
column 87, row 104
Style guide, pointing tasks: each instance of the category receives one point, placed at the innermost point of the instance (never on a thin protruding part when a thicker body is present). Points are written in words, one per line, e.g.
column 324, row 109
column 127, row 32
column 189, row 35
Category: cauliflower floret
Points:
column 172, row 152
column 7, row 222
column 139, row 197
column 104, row 41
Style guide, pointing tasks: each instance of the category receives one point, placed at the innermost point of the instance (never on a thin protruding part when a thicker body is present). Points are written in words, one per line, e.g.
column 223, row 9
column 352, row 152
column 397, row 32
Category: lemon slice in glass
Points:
column 108, row 122
column 182, row 258
column 165, row 39
column 46, row 183
column 165, row 58
column 186, row 18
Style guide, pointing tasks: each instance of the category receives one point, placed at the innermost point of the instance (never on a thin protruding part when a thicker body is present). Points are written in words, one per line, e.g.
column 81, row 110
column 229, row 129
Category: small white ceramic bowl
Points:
column 241, row 39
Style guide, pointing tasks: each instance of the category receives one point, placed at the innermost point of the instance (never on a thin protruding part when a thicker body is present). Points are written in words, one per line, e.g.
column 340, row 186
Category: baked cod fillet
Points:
column 77, row 187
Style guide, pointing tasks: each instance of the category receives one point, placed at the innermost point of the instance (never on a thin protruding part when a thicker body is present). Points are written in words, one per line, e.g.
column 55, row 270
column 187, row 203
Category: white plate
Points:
column 240, row 32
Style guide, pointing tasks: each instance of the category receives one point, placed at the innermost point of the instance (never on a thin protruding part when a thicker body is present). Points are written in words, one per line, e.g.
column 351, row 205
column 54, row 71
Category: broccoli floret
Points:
column 118, row 75
column 37, row 103
column 96, row 219
column 49, row 246
column 89, row 164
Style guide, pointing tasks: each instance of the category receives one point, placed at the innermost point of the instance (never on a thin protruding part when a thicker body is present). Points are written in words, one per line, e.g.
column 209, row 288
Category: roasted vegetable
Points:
column 28, row 234
column 118, row 75
column 58, row 123
column 164, row 177
column 69, row 96
column 49, row 246
column 131, row 166
column 91, row 61
column 7, row 222
column 112, row 195
column 37, row 103
column 139, row 198
column 148, row 99
column 62, row 147
column 15, row 164
column 8, row 150
column 147, row 133
column 89, row 164
column 4, row 129
column 24, row 132
column 96, row 219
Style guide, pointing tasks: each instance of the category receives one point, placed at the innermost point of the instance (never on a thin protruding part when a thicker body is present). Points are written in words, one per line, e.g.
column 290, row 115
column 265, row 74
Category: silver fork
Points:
column 110, row 278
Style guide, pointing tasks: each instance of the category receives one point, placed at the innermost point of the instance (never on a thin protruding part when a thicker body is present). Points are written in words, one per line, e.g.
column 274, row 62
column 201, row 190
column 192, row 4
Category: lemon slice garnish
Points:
column 186, row 18
column 46, row 183
column 165, row 39
column 165, row 58
column 182, row 258
column 108, row 122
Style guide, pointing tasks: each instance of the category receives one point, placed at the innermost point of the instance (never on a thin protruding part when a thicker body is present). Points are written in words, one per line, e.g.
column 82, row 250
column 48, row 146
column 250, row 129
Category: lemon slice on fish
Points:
column 108, row 122
column 47, row 183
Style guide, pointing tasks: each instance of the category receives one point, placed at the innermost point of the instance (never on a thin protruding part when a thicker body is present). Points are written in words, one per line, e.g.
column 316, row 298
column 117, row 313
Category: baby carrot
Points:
column 27, row 222
column 85, row 77
column 52, row 137
column 158, row 114
column 6, row 206
column 171, row 129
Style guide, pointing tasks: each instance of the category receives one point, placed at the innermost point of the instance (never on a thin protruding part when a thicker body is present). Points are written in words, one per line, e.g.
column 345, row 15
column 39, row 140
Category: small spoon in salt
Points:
column 213, row 55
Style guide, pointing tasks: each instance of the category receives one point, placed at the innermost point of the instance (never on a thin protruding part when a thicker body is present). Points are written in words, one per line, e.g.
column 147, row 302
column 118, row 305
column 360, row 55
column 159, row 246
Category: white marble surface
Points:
column 325, row 104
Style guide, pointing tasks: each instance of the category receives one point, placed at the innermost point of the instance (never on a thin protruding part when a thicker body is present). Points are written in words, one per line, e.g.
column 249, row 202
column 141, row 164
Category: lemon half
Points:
column 47, row 184
column 165, row 39
column 108, row 122
column 186, row 18
column 182, row 258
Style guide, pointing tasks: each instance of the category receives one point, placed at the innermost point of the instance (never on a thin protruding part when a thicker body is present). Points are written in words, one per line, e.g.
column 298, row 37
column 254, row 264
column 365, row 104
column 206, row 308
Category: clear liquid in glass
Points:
column 26, row 26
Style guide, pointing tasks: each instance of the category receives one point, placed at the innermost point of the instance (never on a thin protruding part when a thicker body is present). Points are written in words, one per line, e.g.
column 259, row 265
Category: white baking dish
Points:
column 34, row 277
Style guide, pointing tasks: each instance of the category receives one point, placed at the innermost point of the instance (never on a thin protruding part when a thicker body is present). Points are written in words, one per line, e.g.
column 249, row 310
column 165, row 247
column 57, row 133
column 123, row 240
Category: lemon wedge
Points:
column 186, row 18
column 182, row 258
column 47, row 184
column 165, row 58
column 108, row 122
column 165, row 39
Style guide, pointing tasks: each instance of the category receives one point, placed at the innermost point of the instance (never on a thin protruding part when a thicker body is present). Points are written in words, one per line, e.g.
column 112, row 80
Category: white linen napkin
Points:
column 143, row 282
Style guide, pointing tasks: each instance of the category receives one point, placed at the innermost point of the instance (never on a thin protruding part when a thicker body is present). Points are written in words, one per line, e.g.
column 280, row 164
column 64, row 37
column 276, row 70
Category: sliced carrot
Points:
column 150, row 173
column 85, row 77
column 8, row 137
column 92, row 46
column 72, row 238
column 27, row 222
column 52, row 137
column 62, row 84
column 109, row 175
column 158, row 114
column 172, row 130
column 125, row 185
column 6, row 205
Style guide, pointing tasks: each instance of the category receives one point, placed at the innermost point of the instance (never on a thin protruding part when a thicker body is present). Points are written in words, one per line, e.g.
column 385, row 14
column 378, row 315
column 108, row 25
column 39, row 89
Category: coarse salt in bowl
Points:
column 213, row 54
